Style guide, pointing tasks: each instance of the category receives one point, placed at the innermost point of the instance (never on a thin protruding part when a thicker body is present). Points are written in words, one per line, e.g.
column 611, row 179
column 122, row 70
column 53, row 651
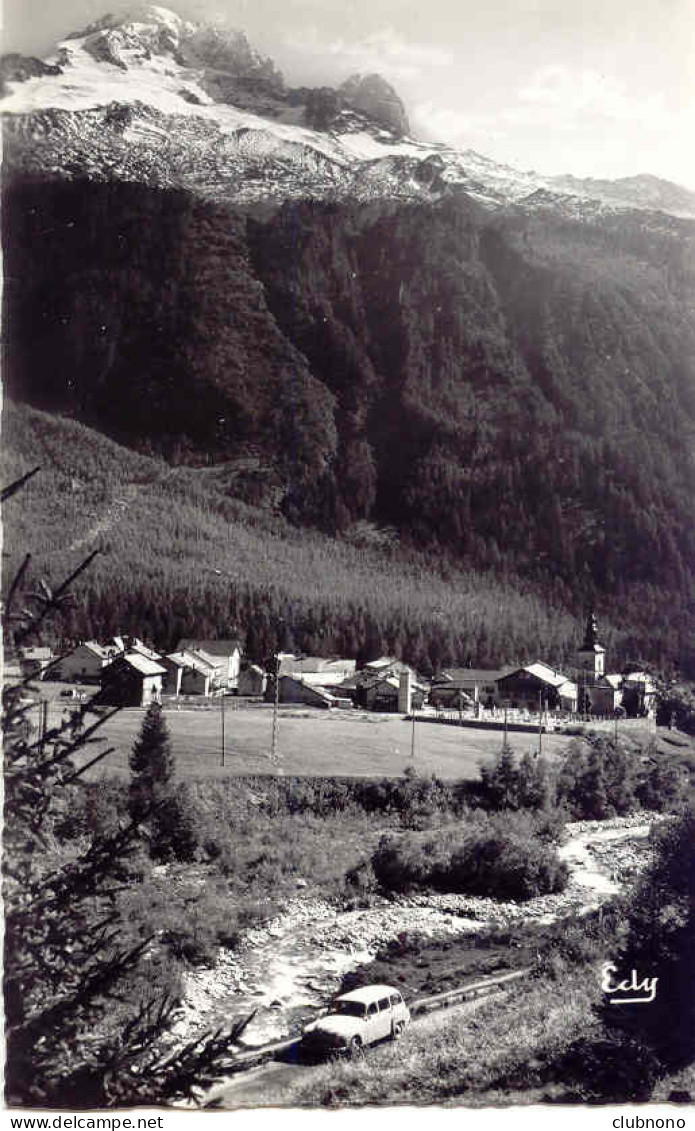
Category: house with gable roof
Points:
column 85, row 663
column 189, row 673
column 537, row 683
column 225, row 655
column 33, row 662
column 454, row 687
column 132, row 680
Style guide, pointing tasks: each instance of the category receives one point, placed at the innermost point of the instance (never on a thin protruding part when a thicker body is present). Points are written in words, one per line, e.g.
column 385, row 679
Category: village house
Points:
column 535, row 686
column 639, row 694
column 384, row 694
column 631, row 692
column 315, row 671
column 85, row 663
column 451, row 697
column 252, row 681
column 132, row 680
column 468, row 685
column 189, row 673
column 33, row 662
column 225, row 655
column 294, row 689
column 361, row 685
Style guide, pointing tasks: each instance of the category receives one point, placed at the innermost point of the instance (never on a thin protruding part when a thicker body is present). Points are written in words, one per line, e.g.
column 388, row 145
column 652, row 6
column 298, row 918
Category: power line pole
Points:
column 222, row 723
column 540, row 723
column 276, row 701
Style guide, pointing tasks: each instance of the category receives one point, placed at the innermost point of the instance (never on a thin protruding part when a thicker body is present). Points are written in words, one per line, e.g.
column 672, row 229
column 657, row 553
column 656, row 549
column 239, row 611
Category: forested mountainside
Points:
column 514, row 389
column 181, row 555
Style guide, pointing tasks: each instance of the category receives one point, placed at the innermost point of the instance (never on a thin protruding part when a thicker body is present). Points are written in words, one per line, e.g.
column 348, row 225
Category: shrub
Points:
column 173, row 828
column 661, row 789
column 598, row 782
column 603, row 1070
column 488, row 859
column 508, row 784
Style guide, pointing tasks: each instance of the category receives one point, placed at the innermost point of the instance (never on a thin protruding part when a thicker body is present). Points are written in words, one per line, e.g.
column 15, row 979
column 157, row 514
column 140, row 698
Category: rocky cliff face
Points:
column 372, row 95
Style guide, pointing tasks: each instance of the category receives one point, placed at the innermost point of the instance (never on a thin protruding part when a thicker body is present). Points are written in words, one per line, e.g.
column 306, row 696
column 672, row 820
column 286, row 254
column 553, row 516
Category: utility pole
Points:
column 222, row 723
column 276, row 701
column 540, row 723
column 505, row 724
column 412, row 738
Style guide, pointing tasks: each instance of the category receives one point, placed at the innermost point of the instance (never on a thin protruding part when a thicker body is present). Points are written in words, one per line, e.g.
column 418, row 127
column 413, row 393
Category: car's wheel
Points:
column 355, row 1046
column 398, row 1030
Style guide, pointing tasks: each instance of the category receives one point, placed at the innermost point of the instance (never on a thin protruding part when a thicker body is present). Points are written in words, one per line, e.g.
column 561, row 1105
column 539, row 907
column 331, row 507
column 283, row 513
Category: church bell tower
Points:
column 591, row 657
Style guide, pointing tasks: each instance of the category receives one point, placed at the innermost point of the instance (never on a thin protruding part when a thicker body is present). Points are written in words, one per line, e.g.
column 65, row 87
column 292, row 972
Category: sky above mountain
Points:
column 603, row 88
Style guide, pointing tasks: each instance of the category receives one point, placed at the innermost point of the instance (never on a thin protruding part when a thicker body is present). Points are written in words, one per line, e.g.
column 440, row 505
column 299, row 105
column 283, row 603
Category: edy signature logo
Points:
column 646, row 988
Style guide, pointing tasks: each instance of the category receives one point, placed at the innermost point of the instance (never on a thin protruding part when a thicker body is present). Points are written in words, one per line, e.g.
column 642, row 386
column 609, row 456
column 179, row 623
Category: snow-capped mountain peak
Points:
column 152, row 96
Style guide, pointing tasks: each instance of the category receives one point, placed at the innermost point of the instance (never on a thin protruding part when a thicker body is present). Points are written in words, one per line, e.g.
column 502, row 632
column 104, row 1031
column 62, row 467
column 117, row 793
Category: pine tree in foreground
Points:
column 76, row 1034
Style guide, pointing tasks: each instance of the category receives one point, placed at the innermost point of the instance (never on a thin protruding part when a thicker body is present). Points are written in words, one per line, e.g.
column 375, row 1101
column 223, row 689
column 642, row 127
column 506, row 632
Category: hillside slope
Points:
column 180, row 556
column 517, row 390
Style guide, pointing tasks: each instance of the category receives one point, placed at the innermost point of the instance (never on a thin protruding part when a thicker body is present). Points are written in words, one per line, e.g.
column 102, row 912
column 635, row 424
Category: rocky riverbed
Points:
column 286, row 968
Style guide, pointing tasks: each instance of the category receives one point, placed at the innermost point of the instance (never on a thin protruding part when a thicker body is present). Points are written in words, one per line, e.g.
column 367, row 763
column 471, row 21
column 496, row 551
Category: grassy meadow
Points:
column 312, row 743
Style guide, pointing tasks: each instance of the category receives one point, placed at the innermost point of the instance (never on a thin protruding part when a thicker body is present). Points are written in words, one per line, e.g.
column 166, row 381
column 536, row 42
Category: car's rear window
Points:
column 396, row 999
column 384, row 1003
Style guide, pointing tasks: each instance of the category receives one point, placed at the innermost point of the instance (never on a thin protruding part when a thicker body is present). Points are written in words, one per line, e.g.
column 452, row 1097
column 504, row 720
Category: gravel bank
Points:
column 287, row 967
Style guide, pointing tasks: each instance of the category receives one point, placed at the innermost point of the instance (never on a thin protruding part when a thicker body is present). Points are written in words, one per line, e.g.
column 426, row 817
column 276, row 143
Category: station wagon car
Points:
column 357, row 1019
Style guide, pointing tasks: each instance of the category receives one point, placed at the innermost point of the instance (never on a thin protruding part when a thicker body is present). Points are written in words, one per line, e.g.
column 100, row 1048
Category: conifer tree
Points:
column 76, row 1035
column 152, row 764
column 167, row 811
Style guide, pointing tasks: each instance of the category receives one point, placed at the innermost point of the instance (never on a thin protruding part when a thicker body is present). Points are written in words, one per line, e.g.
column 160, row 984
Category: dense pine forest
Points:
column 412, row 428
column 180, row 557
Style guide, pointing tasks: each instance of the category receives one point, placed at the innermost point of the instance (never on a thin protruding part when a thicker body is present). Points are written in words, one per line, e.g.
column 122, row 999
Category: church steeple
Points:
column 590, row 632
column 591, row 656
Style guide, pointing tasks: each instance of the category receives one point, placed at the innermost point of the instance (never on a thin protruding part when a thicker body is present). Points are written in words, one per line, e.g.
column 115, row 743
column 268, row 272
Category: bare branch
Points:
column 12, row 488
